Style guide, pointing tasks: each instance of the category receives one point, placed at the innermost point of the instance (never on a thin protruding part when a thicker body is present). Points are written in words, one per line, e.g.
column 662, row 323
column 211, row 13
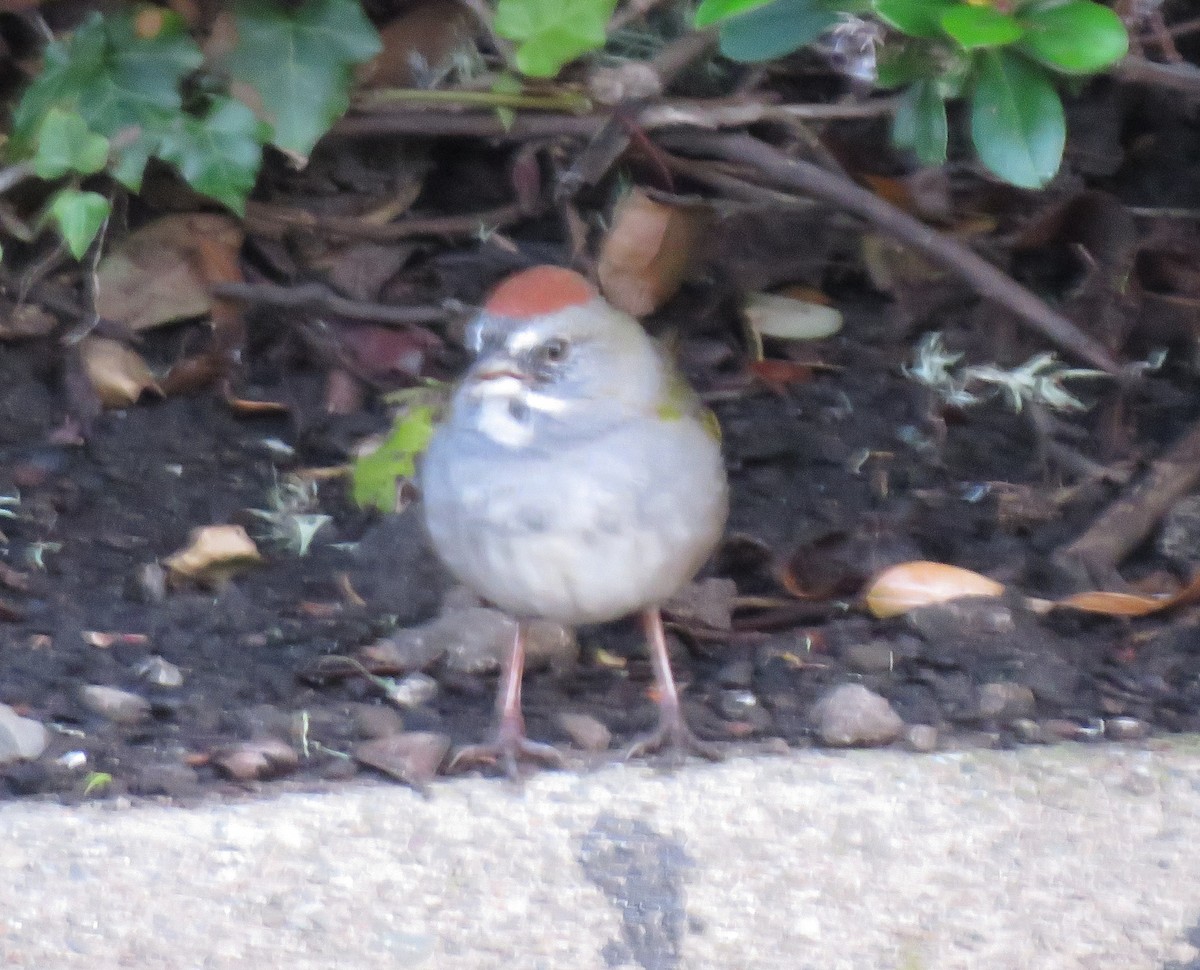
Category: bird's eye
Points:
column 554, row 350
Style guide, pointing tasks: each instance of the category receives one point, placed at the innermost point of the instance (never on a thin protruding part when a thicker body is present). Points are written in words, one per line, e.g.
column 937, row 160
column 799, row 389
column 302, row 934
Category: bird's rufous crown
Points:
column 539, row 290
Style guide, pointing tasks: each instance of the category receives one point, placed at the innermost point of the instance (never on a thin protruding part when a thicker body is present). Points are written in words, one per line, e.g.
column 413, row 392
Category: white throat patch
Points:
column 506, row 408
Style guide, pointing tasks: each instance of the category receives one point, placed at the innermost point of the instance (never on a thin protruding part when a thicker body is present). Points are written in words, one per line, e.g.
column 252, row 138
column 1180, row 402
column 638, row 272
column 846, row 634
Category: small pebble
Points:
column 256, row 760
column 1005, row 701
column 159, row 672
column 1028, row 731
column 922, row 738
column 21, row 738
column 739, row 704
column 475, row 640
column 708, row 602
column 1066, row 730
column 585, row 731
column 852, row 716
column 151, row 583
column 875, row 657
column 413, row 690
column 114, row 704
column 1125, row 728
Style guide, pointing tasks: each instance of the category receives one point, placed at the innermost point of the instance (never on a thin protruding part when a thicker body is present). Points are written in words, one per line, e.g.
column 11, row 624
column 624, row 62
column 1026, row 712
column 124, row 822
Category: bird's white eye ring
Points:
column 554, row 350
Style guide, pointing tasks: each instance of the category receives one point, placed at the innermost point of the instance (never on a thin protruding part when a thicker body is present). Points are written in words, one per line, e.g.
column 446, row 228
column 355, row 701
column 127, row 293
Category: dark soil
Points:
column 834, row 477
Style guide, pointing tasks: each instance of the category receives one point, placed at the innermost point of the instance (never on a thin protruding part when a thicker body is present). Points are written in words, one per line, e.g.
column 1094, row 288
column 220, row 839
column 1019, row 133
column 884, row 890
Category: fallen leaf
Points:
column 911, row 584
column 1114, row 604
column 420, row 46
column 116, row 372
column 413, row 757
column 213, row 555
column 162, row 273
column 646, row 252
column 788, row 318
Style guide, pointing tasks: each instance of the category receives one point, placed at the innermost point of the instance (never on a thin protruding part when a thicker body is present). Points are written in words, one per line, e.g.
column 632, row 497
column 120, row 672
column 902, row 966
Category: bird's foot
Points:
column 675, row 738
column 507, row 748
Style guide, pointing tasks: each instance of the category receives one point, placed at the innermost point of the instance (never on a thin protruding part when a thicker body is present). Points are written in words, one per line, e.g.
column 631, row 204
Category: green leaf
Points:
column 1017, row 120
column 551, row 33
column 976, row 27
column 374, row 475
column 920, row 122
column 218, row 154
column 64, row 145
column 710, row 11
column 918, row 18
column 78, row 216
column 774, row 29
column 112, row 75
column 1078, row 37
column 901, row 62
column 298, row 59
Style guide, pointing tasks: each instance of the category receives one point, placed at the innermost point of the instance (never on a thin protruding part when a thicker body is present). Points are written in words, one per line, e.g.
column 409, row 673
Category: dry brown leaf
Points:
column 413, row 757
column 116, row 372
column 912, row 584
column 161, row 272
column 646, row 252
column 1130, row 604
column 214, row 553
column 420, row 46
column 1114, row 604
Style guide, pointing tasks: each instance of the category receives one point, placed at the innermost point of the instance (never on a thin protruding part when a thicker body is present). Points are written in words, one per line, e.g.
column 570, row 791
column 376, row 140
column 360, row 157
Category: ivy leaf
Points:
column 917, row 18
column 551, row 33
column 115, row 72
column 219, row 154
column 1079, row 37
column 374, row 475
column 78, row 216
column 920, row 122
column 64, row 145
column 1017, row 120
column 298, row 60
column 975, row 27
column 775, row 29
column 121, row 75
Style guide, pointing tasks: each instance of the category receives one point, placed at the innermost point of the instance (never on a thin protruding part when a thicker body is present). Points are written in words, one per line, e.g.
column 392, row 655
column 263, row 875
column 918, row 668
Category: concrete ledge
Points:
column 1066, row 857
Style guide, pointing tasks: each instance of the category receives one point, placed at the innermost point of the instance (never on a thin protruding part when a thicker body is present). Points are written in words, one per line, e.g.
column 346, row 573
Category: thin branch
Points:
column 527, row 125
column 1126, row 523
column 271, row 220
column 830, row 187
column 1182, row 77
column 314, row 296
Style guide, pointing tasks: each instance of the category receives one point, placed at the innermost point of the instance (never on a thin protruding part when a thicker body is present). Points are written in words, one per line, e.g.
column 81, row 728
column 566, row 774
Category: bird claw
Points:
column 507, row 750
column 676, row 737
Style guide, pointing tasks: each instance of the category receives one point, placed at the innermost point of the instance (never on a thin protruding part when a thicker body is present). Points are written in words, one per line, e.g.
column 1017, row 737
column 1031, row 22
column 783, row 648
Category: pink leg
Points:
column 508, row 744
column 672, row 731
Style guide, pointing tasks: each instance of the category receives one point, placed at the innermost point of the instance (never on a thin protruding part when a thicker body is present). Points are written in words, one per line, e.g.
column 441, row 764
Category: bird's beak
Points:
column 496, row 375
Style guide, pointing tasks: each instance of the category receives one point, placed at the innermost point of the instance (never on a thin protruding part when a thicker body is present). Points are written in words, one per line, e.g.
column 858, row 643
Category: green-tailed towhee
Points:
column 576, row 478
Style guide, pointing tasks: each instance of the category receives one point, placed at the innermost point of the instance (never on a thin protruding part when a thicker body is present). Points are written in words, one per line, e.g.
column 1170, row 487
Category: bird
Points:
column 576, row 478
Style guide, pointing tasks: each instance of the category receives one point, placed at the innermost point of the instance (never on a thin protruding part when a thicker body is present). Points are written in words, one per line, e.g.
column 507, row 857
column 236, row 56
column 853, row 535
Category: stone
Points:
column 850, row 715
